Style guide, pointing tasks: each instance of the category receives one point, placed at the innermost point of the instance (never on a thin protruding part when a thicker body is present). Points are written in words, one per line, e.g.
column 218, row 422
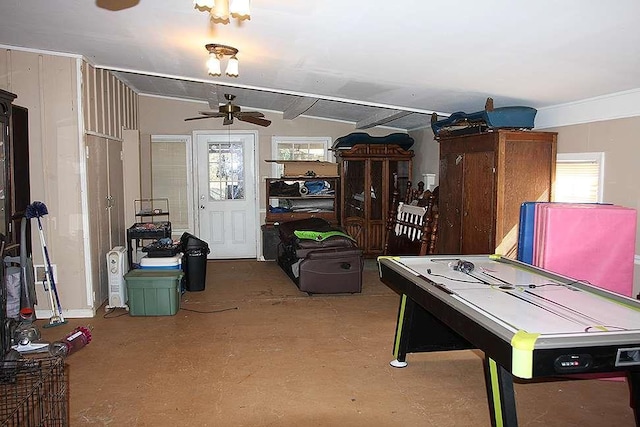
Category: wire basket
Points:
column 33, row 392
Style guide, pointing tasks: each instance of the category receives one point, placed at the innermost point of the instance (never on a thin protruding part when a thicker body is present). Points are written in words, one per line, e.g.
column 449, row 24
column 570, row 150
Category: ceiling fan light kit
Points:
column 216, row 53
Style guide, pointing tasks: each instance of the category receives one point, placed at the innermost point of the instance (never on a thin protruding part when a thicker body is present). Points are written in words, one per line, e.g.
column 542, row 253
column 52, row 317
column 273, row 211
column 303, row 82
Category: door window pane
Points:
column 226, row 172
column 376, row 191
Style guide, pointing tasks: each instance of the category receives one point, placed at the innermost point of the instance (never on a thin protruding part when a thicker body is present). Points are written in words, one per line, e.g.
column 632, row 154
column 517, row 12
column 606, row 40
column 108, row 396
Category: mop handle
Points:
column 45, row 253
column 50, row 294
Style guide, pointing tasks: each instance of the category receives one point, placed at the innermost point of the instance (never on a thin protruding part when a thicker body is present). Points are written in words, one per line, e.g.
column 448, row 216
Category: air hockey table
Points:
column 529, row 323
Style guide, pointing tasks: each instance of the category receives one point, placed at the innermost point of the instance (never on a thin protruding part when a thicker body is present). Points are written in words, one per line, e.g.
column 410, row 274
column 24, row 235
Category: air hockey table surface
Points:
column 549, row 324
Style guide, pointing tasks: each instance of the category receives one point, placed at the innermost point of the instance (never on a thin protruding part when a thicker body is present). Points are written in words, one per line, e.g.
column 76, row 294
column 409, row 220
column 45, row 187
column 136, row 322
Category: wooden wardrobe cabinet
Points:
column 366, row 172
column 484, row 178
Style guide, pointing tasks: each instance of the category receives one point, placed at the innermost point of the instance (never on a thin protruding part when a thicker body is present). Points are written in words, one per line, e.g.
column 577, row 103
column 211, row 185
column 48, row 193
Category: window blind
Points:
column 169, row 179
column 577, row 181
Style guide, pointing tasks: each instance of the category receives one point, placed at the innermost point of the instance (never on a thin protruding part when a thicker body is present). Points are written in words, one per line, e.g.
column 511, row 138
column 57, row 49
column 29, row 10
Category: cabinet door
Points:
column 115, row 193
column 98, row 190
column 378, row 207
column 353, row 198
column 467, row 203
column 4, row 189
column 478, row 203
column 21, row 193
column 106, row 211
column 450, row 203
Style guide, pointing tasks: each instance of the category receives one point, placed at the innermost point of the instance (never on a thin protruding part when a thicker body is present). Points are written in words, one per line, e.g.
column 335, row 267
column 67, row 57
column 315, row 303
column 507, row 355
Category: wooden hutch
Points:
column 366, row 175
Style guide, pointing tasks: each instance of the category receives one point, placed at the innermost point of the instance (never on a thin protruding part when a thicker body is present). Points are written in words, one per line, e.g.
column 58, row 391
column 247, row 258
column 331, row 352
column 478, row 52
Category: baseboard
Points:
column 82, row 313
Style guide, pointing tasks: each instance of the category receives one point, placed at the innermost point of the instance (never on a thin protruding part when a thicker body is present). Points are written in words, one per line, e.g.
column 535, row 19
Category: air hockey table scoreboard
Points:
column 530, row 323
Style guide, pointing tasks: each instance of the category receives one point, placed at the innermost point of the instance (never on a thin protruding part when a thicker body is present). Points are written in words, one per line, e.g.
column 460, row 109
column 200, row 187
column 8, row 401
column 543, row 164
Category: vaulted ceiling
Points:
column 367, row 62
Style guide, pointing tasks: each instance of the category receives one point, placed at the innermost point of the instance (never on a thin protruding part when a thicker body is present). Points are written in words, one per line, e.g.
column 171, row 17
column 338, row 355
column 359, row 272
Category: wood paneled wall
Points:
column 109, row 105
column 48, row 85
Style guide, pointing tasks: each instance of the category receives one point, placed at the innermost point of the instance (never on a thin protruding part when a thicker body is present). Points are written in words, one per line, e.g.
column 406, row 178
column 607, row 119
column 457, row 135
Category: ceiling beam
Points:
column 381, row 118
column 298, row 107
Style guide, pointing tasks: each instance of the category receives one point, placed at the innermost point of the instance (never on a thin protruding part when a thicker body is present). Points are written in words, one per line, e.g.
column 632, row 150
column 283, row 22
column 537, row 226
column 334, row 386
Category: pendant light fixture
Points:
column 217, row 52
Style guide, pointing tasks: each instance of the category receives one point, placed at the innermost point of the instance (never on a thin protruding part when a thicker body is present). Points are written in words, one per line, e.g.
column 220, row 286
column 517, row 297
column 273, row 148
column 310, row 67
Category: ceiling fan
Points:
column 230, row 111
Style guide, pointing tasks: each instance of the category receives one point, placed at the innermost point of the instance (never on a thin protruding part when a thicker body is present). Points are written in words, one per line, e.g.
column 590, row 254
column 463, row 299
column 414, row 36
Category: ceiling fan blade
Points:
column 249, row 114
column 211, row 113
column 198, row 118
column 255, row 120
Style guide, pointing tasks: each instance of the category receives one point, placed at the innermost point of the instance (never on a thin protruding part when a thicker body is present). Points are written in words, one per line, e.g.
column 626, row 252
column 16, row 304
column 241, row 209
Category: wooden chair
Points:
column 412, row 224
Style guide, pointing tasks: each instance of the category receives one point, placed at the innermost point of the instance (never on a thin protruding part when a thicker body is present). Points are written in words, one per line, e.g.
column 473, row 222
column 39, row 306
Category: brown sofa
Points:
column 329, row 262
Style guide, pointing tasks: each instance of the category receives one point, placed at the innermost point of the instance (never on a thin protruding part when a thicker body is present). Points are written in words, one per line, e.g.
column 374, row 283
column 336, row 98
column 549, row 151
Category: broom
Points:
column 38, row 210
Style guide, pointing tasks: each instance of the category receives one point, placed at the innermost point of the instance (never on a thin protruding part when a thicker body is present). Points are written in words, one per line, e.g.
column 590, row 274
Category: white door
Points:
column 227, row 193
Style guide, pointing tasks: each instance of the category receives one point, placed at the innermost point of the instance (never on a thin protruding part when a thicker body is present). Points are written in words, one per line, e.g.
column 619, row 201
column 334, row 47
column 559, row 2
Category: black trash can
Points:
column 194, row 261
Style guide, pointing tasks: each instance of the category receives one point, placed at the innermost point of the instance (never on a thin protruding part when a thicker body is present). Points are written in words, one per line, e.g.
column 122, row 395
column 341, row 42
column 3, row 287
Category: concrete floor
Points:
column 278, row 357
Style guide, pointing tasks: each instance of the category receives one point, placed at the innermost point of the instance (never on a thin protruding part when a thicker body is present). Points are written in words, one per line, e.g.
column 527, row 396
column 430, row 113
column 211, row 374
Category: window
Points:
column 226, row 171
column 171, row 177
column 579, row 177
column 298, row 148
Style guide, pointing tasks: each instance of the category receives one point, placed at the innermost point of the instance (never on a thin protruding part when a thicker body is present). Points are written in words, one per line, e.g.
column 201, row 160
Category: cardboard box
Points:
column 307, row 168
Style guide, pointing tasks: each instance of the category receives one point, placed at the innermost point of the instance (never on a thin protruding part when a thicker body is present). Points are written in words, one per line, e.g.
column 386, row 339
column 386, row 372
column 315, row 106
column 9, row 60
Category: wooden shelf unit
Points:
column 284, row 193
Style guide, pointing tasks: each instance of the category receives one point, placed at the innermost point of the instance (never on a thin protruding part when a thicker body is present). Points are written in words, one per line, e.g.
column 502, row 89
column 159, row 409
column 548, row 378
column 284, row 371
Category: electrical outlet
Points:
column 39, row 272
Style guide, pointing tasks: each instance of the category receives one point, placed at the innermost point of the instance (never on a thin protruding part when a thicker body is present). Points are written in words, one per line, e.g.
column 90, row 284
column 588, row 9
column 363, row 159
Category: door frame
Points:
column 256, row 178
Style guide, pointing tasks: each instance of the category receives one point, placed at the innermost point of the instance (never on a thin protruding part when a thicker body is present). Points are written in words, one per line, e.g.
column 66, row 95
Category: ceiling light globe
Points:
column 213, row 65
column 240, row 8
column 220, row 11
column 232, row 67
column 204, row 3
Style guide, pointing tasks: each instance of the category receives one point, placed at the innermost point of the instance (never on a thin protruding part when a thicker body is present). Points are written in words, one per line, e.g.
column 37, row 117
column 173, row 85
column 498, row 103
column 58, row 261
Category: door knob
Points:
column 201, row 206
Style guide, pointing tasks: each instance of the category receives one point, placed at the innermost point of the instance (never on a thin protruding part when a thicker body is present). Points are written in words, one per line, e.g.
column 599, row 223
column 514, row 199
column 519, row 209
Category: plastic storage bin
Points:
column 194, row 261
column 164, row 263
column 153, row 292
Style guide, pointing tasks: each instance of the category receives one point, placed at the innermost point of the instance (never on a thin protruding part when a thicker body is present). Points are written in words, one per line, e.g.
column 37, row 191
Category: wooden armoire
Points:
column 366, row 172
column 484, row 179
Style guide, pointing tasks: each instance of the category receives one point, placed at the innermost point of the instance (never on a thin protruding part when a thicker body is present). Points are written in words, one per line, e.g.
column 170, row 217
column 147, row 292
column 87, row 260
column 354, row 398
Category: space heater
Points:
column 116, row 269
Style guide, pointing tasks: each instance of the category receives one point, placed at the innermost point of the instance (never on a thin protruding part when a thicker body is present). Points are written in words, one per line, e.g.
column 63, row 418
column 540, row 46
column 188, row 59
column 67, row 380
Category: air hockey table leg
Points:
column 401, row 339
column 398, row 363
column 500, row 394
